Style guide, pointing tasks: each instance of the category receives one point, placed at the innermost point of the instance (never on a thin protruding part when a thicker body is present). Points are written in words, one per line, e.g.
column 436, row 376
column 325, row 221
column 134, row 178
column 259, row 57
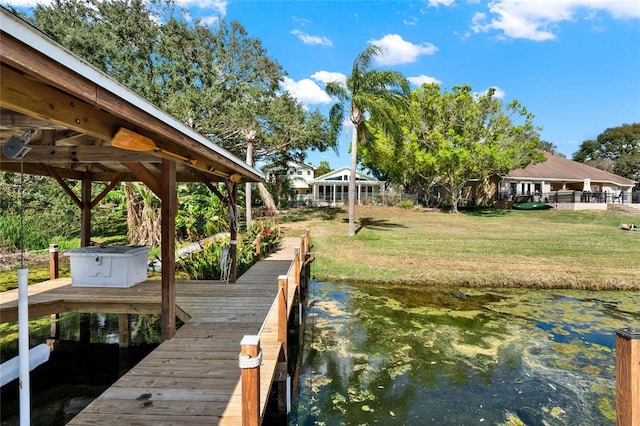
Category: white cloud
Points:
column 423, row 79
column 498, row 92
column 219, row 6
column 436, row 3
column 306, row 91
column 312, row 40
column 398, row 51
column 411, row 20
column 328, row 77
column 210, row 20
column 537, row 20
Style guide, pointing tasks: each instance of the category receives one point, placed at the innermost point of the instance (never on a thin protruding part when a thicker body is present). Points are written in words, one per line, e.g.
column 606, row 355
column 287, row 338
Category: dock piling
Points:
column 628, row 377
column 250, row 360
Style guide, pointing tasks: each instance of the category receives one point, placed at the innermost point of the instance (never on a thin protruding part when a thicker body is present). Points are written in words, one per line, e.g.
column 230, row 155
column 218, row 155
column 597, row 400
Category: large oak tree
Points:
column 453, row 136
column 218, row 80
column 616, row 150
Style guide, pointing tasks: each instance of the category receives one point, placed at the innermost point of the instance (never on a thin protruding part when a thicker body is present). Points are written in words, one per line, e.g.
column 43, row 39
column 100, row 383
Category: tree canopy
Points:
column 452, row 137
column 220, row 82
column 616, row 150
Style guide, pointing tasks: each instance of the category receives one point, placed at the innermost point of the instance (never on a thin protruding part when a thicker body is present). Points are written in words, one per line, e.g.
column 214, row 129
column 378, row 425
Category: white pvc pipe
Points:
column 288, row 394
column 10, row 370
column 23, row 346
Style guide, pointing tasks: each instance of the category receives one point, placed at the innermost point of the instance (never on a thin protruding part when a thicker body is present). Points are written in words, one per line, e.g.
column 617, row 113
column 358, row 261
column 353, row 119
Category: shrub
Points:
column 406, row 204
column 205, row 264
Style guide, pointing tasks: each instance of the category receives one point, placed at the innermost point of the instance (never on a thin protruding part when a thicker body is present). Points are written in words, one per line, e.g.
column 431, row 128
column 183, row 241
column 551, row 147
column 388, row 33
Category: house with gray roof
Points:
column 566, row 183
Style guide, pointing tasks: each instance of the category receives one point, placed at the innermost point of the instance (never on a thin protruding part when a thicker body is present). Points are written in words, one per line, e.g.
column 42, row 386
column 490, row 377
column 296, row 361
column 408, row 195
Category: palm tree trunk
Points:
column 248, row 184
column 352, row 181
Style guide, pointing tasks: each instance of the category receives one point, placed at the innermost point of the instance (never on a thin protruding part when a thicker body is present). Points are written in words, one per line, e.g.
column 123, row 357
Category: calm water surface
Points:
column 75, row 373
column 408, row 356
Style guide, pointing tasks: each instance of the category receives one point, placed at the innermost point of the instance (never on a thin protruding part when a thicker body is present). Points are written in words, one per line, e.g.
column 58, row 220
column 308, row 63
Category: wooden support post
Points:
column 628, row 377
column 53, row 274
column 303, row 249
column 124, row 330
column 85, row 328
column 85, row 216
column 296, row 266
column 53, row 261
column 168, row 247
column 233, row 232
column 258, row 243
column 283, row 283
column 249, row 357
column 54, row 326
column 307, row 237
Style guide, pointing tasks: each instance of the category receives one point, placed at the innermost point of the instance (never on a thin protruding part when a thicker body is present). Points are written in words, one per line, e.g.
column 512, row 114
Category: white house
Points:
column 300, row 175
column 333, row 188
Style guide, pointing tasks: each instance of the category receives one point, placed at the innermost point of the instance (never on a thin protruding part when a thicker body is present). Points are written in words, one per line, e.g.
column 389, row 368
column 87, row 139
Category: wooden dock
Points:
column 194, row 378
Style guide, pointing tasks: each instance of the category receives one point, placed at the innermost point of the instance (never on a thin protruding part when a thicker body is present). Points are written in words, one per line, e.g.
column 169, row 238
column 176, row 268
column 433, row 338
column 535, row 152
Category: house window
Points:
column 299, row 172
column 308, row 172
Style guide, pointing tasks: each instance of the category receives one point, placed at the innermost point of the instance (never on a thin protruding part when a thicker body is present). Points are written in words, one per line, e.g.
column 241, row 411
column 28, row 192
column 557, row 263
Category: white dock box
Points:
column 108, row 266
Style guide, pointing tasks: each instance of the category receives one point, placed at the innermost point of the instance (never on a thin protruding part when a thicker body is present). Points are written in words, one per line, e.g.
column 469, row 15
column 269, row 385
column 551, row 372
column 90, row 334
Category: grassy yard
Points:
column 542, row 249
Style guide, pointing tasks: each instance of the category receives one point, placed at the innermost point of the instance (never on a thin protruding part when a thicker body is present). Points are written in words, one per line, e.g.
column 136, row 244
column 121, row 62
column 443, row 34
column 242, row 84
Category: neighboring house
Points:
column 570, row 184
column 300, row 175
column 333, row 188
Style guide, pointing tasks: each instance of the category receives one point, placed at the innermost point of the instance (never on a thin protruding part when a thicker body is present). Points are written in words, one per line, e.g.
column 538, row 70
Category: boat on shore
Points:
column 531, row 206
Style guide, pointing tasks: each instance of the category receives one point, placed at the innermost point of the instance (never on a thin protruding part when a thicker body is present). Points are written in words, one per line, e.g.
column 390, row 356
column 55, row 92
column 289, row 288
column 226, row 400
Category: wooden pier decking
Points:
column 193, row 378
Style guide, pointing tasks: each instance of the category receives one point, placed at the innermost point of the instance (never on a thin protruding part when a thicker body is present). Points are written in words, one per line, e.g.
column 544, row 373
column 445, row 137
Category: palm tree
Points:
column 372, row 95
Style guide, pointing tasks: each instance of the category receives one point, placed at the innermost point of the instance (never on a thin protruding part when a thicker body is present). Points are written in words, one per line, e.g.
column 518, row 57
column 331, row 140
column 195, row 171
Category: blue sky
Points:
column 575, row 64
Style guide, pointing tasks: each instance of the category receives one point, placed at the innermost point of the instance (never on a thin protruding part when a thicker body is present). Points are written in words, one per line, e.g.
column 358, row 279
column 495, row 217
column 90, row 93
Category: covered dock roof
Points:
column 89, row 125
column 64, row 118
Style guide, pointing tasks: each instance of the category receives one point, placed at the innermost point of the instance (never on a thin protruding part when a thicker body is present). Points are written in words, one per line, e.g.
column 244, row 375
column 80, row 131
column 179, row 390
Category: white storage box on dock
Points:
column 109, row 266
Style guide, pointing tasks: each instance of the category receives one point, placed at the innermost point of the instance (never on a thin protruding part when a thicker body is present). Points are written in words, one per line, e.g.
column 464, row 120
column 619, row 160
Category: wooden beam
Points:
column 81, row 155
column 38, row 100
column 64, row 185
column 212, row 188
column 147, row 177
column 85, row 216
column 109, row 187
column 169, row 199
column 42, row 67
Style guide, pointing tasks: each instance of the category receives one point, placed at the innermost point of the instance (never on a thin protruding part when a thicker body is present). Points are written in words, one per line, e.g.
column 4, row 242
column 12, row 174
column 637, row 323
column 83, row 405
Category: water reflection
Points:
column 404, row 355
column 77, row 372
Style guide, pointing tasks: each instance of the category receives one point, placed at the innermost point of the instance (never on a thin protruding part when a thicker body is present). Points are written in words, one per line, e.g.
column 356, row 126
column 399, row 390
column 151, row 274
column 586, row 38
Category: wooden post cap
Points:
column 629, row 333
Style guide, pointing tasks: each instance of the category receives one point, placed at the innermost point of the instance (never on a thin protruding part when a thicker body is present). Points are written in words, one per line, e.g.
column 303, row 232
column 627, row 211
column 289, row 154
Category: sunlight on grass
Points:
column 557, row 249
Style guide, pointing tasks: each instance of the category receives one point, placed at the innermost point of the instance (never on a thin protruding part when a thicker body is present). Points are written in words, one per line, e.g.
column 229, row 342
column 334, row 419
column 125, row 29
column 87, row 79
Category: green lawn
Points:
column 544, row 249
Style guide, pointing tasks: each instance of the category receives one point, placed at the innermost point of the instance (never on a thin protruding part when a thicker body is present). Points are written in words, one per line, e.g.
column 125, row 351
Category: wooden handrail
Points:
column 250, row 345
column 296, row 266
column 283, row 283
